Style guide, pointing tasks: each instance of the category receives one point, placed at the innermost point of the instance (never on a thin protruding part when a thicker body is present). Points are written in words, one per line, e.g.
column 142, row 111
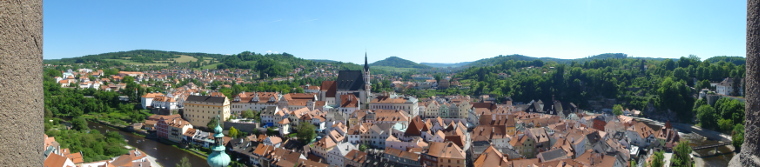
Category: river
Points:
column 166, row 155
column 699, row 140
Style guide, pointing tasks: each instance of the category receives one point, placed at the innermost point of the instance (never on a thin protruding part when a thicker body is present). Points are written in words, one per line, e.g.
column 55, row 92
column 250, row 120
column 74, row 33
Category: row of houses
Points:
column 57, row 157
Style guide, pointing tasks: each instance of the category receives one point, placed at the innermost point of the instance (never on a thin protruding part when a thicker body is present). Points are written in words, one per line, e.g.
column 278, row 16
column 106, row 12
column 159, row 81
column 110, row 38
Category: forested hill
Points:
column 666, row 84
column 138, row 56
column 517, row 57
column 738, row 60
column 398, row 62
column 444, row 65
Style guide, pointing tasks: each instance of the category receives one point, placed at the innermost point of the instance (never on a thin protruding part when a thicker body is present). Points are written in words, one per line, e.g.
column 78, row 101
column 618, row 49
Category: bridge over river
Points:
column 695, row 148
column 710, row 148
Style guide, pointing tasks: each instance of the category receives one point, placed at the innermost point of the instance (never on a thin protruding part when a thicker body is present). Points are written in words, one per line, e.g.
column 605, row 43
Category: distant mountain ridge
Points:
column 158, row 57
column 444, row 65
column 398, row 62
column 518, row 57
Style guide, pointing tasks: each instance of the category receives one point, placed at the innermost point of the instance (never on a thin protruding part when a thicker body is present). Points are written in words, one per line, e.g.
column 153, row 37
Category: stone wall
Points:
column 243, row 127
column 751, row 147
column 21, row 102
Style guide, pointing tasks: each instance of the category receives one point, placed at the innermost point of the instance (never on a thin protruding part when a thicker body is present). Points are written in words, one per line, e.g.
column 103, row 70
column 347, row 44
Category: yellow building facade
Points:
column 199, row 110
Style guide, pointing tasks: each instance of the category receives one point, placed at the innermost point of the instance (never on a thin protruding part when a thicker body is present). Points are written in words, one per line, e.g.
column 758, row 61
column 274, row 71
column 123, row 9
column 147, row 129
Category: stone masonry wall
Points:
column 21, row 96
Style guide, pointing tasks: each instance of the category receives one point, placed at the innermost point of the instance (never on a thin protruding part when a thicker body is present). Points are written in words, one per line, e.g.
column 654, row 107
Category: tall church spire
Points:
column 366, row 66
column 367, row 84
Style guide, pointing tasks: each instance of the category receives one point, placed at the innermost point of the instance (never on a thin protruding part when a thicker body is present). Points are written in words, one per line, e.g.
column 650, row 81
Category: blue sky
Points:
column 421, row 31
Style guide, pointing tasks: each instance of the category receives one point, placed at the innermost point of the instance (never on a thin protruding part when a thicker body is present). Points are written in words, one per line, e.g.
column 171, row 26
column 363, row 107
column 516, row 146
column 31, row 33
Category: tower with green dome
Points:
column 218, row 158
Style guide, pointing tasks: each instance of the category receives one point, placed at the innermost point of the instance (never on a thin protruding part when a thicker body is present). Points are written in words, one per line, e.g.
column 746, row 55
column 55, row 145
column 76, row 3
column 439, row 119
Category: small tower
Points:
column 218, row 158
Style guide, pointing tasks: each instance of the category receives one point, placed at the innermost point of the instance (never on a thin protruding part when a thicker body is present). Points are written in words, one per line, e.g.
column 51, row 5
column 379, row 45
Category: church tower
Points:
column 367, row 84
column 219, row 157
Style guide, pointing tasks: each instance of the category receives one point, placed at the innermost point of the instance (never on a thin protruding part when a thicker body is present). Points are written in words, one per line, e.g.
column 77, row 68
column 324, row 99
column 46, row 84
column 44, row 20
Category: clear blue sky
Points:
column 421, row 31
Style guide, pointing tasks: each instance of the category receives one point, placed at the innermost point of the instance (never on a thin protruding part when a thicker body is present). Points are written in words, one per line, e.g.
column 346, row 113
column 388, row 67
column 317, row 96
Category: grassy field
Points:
column 185, row 58
column 210, row 66
column 393, row 69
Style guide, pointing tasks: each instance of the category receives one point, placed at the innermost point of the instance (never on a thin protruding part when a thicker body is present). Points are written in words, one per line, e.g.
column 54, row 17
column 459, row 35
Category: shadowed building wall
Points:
column 21, row 96
column 750, row 150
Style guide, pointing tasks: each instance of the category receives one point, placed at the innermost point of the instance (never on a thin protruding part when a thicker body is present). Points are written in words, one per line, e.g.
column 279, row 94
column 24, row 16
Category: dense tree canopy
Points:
column 706, row 116
column 737, row 137
column 674, row 95
column 617, row 110
column 233, row 132
column 95, row 146
column 666, row 84
column 306, row 132
column 214, row 122
column 724, row 116
column 682, row 154
column 398, row 62
column 658, row 160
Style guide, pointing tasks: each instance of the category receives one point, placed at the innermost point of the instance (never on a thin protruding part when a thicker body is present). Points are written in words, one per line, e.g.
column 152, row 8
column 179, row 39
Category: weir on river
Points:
column 166, row 155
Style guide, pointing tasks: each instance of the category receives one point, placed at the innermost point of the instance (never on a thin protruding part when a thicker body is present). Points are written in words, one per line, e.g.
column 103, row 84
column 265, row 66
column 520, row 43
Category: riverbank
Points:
column 170, row 153
column 179, row 146
column 144, row 135
column 138, row 132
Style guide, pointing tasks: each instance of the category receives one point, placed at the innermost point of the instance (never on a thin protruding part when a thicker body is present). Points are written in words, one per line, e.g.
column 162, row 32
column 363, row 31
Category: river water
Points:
column 166, row 155
column 698, row 140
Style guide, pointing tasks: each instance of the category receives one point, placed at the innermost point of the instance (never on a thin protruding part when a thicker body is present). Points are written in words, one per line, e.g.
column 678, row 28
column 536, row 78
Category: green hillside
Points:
column 738, row 60
column 398, row 62
column 140, row 57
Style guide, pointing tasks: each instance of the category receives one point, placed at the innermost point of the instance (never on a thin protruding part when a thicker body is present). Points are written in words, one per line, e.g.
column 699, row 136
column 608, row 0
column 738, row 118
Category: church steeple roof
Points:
column 366, row 66
column 218, row 158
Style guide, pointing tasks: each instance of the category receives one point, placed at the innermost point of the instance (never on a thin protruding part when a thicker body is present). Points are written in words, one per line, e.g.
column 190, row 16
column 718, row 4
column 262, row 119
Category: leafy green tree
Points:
column 363, row 147
column 234, row 133
column 680, row 74
column 248, row 114
column 682, row 154
column 738, row 137
column 703, row 84
column 184, row 162
column 674, row 95
column 306, row 132
column 699, row 103
column 269, row 68
column 669, row 64
column 271, row 131
column 79, row 123
column 617, row 110
column 706, row 116
column 730, row 109
column 212, row 123
column 658, row 160
column 725, row 125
